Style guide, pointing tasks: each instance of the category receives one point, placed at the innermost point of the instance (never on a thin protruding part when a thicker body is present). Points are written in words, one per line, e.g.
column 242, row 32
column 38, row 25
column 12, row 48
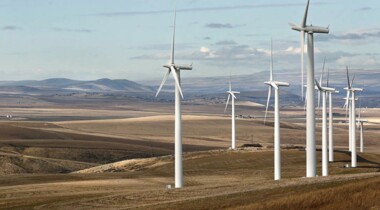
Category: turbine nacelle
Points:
column 354, row 89
column 230, row 93
column 357, row 89
column 179, row 67
column 276, row 83
column 350, row 99
column 233, row 93
column 324, row 89
column 310, row 29
column 316, row 30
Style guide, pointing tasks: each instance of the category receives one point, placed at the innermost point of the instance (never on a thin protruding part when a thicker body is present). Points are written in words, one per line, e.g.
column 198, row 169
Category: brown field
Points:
column 244, row 177
column 120, row 157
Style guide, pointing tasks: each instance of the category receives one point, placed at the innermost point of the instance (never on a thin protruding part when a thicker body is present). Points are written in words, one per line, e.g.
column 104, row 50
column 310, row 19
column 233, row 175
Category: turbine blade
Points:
column 352, row 81
column 319, row 93
column 228, row 101
column 233, row 95
column 348, row 78
column 328, row 77
column 172, row 52
column 163, row 81
column 266, row 110
column 305, row 16
column 271, row 60
column 293, row 24
column 302, row 62
column 323, row 71
column 347, row 103
column 320, row 83
column 230, row 85
column 176, row 79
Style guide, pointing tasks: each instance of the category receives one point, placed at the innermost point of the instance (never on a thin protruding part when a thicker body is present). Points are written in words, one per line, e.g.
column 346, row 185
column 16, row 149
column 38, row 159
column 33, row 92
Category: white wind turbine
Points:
column 331, row 120
column 329, row 94
column 347, row 106
column 353, row 120
column 325, row 162
column 277, row 143
column 175, row 70
column 232, row 96
column 311, row 161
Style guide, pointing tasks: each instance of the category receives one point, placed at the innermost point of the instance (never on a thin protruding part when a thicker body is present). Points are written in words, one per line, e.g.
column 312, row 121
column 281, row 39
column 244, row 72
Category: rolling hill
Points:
column 67, row 85
column 251, row 86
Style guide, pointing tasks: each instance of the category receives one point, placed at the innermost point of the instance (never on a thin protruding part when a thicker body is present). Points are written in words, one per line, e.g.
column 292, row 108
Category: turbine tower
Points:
column 361, row 126
column 325, row 162
column 353, row 120
column 311, row 161
column 331, row 120
column 231, row 94
column 320, row 82
column 175, row 70
column 277, row 143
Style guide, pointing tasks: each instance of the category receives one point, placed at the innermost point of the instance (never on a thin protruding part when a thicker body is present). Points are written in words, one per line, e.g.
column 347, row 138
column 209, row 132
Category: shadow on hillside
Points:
column 360, row 159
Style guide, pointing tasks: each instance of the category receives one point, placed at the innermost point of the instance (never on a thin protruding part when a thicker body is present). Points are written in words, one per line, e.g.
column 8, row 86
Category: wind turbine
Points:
column 347, row 105
column 175, row 70
column 311, row 161
column 331, row 120
column 277, row 146
column 231, row 94
column 352, row 120
column 325, row 162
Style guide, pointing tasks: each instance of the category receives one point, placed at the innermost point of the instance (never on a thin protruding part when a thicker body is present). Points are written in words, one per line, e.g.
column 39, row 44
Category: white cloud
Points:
column 204, row 50
column 297, row 50
column 360, row 61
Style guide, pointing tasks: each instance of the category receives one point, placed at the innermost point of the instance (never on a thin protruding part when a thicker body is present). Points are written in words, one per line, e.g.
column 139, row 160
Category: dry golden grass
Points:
column 344, row 194
column 364, row 194
column 213, row 179
column 33, row 147
column 110, row 140
column 214, row 131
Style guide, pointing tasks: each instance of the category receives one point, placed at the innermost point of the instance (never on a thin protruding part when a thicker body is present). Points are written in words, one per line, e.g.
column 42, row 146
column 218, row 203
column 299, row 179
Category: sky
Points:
column 131, row 39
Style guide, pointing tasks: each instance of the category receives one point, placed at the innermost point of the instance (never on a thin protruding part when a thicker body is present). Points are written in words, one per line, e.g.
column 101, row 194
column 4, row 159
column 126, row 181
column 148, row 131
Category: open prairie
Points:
column 120, row 158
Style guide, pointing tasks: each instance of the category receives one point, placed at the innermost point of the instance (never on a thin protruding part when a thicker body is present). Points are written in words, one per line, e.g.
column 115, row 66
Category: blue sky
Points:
column 91, row 39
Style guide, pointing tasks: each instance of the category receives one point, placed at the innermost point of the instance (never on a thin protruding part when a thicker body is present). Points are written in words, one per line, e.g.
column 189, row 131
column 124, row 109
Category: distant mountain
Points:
column 62, row 84
column 253, row 84
column 252, row 87
column 48, row 83
column 18, row 90
column 107, row 85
